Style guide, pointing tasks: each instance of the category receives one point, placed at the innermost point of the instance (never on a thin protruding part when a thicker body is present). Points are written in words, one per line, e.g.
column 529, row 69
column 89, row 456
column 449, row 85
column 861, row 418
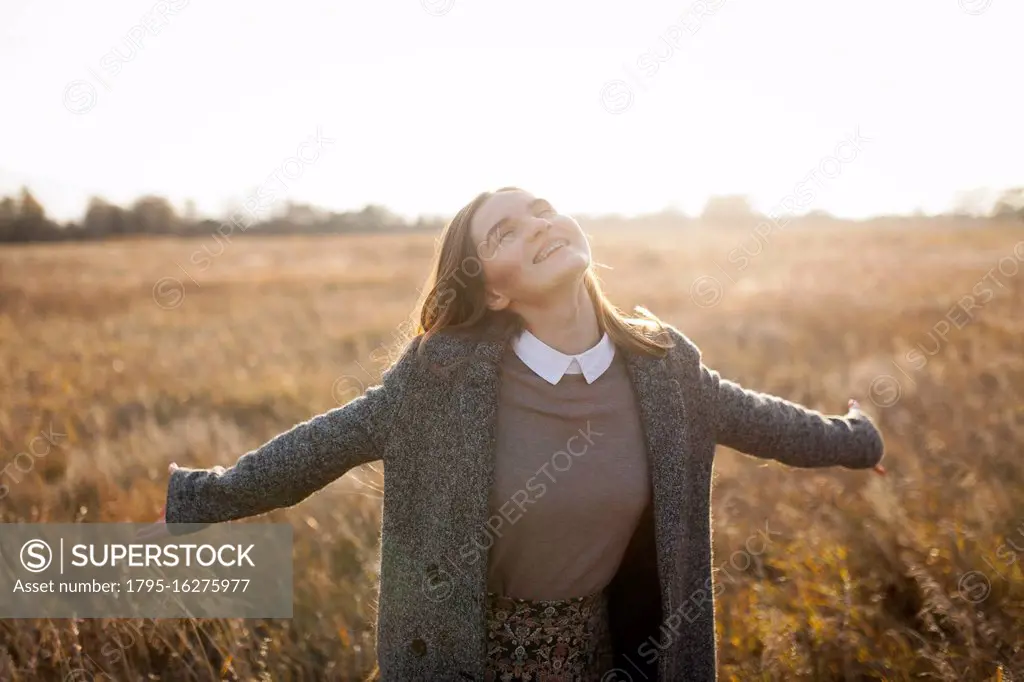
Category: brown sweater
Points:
column 570, row 481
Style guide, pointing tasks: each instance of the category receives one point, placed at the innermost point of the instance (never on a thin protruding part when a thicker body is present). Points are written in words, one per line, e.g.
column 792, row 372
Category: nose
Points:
column 540, row 228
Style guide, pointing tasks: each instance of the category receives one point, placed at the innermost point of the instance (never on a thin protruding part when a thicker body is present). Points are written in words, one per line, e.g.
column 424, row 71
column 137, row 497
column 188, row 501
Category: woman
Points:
column 548, row 467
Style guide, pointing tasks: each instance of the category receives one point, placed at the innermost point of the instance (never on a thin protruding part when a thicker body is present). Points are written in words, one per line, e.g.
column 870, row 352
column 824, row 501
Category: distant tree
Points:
column 728, row 209
column 153, row 215
column 29, row 208
column 190, row 213
column 376, row 218
column 302, row 214
column 1009, row 204
column 8, row 216
column 25, row 220
column 103, row 219
column 8, row 209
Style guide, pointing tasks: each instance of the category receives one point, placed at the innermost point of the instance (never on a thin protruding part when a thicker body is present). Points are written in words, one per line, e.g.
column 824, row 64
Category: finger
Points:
column 880, row 470
column 172, row 467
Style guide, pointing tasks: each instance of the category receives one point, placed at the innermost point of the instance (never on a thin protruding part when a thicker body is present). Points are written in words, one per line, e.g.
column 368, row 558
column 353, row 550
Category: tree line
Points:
column 23, row 218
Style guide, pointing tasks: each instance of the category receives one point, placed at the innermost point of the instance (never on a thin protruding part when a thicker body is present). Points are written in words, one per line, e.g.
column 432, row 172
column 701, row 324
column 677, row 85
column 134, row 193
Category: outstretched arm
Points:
column 294, row 464
column 769, row 427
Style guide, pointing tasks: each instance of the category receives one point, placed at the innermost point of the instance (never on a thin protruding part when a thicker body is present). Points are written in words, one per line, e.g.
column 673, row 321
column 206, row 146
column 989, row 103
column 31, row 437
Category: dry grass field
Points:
column 913, row 576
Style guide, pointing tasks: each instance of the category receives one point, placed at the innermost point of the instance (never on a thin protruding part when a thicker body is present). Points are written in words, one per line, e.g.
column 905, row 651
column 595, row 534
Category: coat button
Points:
column 419, row 647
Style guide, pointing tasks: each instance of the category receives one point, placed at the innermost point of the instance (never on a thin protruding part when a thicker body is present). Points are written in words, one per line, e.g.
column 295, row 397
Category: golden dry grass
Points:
column 907, row 577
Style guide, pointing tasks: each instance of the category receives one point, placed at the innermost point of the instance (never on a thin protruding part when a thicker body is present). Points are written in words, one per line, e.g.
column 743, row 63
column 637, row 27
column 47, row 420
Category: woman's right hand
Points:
column 158, row 530
column 855, row 411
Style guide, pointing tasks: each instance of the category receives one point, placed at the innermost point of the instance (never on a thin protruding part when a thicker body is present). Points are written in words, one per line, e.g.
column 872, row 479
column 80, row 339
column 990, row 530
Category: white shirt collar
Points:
column 552, row 364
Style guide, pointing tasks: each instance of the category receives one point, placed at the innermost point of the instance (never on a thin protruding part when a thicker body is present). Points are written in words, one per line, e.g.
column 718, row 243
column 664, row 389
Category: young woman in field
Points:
column 547, row 467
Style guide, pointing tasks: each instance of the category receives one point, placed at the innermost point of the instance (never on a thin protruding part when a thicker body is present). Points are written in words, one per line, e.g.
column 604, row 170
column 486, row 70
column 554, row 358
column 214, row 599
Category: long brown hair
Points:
column 453, row 296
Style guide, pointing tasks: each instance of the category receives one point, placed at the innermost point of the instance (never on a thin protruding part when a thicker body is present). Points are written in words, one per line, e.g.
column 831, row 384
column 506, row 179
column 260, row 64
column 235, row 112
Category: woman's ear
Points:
column 496, row 300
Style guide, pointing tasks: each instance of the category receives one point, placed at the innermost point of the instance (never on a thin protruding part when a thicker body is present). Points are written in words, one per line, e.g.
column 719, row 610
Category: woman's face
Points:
column 527, row 249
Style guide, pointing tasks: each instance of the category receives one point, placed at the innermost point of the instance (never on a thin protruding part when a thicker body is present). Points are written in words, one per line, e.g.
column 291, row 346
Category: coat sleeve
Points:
column 294, row 464
column 769, row 427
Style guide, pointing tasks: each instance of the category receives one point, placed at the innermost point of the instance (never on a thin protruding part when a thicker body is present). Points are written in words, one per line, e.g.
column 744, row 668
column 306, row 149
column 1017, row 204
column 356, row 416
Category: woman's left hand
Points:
column 855, row 411
column 157, row 530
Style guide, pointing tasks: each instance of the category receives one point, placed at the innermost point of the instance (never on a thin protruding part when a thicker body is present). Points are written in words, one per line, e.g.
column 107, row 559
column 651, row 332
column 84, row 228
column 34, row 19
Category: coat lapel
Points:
column 478, row 413
column 663, row 414
column 478, row 419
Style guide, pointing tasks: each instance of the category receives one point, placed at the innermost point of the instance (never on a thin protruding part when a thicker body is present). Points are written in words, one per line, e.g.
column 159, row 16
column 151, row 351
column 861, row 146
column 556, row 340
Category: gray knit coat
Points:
column 432, row 421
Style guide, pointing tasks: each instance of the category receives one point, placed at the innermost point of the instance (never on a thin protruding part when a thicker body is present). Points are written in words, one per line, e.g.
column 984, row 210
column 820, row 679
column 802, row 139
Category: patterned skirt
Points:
column 565, row 640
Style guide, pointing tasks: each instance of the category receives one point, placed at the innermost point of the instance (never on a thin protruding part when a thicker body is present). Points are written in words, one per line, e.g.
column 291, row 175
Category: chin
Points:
column 578, row 260
column 572, row 266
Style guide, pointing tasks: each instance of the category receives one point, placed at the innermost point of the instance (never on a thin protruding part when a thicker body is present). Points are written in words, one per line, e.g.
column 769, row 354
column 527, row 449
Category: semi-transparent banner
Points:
column 102, row 570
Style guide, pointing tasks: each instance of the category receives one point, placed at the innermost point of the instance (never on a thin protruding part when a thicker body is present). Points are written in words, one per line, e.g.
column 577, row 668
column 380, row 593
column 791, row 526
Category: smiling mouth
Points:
column 550, row 249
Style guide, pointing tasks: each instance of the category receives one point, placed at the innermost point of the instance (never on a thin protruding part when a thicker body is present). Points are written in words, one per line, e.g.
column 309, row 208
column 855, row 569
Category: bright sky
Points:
column 429, row 102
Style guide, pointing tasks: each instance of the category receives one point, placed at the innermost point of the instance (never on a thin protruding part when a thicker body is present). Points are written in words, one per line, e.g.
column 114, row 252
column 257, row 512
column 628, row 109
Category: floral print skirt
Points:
column 565, row 640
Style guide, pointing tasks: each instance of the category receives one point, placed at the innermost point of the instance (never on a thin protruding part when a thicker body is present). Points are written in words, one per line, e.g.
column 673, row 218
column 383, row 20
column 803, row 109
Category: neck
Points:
column 567, row 323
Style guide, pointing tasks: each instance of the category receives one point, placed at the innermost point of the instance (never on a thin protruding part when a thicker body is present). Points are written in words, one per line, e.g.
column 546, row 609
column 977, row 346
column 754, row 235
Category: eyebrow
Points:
column 501, row 223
